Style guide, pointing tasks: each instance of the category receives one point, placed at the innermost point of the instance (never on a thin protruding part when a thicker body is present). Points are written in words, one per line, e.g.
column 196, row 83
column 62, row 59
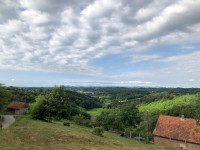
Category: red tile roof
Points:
column 175, row 128
column 17, row 105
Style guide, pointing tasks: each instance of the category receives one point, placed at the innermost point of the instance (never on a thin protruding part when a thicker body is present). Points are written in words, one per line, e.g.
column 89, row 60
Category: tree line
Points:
column 32, row 95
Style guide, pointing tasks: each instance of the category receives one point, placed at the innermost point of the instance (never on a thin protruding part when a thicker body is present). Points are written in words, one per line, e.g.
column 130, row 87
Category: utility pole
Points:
column 147, row 127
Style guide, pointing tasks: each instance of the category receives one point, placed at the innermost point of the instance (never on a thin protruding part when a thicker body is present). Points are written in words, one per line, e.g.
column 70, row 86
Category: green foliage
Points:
column 82, row 100
column 75, row 110
column 66, row 123
column 130, row 115
column 59, row 105
column 39, row 109
column 81, row 120
column 25, row 94
column 121, row 119
column 4, row 97
column 52, row 106
column 138, row 95
column 160, row 106
column 76, row 99
column 159, row 96
column 94, row 112
column 197, row 111
column 110, row 120
column 98, row 131
column 187, row 105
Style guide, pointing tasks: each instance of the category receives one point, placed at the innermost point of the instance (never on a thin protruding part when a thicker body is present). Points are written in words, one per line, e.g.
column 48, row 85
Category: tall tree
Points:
column 59, row 103
column 52, row 106
column 130, row 116
column 4, row 97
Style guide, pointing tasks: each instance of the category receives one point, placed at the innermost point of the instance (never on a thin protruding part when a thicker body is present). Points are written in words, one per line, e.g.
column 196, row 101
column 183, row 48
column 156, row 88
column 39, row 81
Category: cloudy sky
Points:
column 100, row 42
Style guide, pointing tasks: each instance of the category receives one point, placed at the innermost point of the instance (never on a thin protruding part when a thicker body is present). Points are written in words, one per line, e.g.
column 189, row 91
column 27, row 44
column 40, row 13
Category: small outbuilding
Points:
column 17, row 108
column 177, row 132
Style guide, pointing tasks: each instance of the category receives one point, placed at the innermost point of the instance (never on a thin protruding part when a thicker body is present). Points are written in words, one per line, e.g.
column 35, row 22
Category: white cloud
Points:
column 191, row 80
column 188, row 47
column 143, row 57
column 12, row 80
column 64, row 36
column 110, row 84
column 187, row 63
column 135, row 82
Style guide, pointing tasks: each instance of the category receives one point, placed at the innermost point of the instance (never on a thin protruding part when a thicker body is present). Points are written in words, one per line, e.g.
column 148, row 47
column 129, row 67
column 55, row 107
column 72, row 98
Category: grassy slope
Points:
column 164, row 105
column 37, row 135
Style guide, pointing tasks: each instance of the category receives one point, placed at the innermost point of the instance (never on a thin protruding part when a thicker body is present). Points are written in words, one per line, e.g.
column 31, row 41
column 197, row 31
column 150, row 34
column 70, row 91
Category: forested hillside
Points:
column 83, row 100
column 29, row 95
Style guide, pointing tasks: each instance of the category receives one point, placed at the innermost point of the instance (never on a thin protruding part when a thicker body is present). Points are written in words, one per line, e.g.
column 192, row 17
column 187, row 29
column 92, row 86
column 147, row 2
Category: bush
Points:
column 110, row 120
column 66, row 123
column 85, row 115
column 98, row 131
column 80, row 120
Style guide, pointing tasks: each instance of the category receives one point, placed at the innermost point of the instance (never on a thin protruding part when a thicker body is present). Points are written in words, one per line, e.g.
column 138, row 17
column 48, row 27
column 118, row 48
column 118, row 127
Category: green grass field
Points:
column 28, row 134
column 95, row 112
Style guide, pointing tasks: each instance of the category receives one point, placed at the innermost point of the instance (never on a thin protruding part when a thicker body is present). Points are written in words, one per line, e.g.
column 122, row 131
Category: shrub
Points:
column 66, row 123
column 80, row 120
column 98, row 131
column 85, row 115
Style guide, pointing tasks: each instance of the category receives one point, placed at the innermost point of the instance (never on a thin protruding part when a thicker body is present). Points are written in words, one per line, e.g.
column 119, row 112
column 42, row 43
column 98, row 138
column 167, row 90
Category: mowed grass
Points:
column 28, row 134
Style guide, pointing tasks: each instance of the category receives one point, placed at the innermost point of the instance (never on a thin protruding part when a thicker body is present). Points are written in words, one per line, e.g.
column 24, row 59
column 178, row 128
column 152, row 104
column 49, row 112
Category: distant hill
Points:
column 83, row 100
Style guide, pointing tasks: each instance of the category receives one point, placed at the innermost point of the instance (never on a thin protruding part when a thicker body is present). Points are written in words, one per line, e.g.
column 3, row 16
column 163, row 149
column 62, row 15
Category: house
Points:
column 177, row 132
column 17, row 108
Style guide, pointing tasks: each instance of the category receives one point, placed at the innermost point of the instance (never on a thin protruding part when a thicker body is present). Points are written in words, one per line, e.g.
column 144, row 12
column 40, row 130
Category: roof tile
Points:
column 17, row 105
column 175, row 128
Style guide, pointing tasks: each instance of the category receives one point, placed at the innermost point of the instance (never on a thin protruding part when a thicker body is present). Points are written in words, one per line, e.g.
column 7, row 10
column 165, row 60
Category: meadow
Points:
column 27, row 133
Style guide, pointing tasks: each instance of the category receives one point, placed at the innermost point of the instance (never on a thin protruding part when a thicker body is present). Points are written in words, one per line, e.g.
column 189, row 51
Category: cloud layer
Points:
column 65, row 36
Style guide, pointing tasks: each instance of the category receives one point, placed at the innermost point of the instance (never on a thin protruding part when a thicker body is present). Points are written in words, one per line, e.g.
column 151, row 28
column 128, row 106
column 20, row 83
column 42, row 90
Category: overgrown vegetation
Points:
column 98, row 131
column 81, row 120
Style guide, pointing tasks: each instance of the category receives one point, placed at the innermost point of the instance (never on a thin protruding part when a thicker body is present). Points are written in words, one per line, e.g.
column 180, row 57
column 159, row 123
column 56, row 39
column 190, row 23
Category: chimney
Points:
column 182, row 118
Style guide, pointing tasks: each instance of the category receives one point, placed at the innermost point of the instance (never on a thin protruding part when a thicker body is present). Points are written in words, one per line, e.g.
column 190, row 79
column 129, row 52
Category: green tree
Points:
column 39, row 109
column 52, row 106
column 110, row 120
column 4, row 97
column 59, row 104
column 130, row 115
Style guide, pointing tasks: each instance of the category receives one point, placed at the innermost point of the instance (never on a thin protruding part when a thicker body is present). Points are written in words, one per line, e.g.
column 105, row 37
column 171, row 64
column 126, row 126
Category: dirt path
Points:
column 8, row 120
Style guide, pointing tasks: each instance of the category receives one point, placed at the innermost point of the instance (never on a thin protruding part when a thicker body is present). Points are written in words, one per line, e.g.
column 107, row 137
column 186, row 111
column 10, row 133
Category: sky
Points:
column 151, row 43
